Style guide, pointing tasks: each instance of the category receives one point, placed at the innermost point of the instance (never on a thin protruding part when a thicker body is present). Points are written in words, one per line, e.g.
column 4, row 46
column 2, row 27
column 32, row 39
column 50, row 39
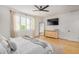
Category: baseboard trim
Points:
column 70, row 40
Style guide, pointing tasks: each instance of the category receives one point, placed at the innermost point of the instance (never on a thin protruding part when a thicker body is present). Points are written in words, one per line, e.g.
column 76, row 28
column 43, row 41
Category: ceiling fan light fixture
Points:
column 41, row 8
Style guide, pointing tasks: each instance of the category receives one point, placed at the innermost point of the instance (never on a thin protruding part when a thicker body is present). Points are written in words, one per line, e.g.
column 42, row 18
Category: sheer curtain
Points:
column 31, row 26
column 22, row 24
column 12, row 24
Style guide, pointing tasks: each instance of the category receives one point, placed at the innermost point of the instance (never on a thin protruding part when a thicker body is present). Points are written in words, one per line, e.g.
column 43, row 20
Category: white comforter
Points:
column 27, row 47
column 2, row 49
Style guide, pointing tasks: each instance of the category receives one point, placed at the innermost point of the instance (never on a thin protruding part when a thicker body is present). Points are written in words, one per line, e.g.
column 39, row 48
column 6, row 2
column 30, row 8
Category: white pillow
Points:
column 4, row 42
column 2, row 38
column 2, row 49
column 12, row 46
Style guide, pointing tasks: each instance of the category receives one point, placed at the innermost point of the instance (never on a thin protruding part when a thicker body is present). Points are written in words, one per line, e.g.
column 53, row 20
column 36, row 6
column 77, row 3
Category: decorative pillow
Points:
column 12, row 46
column 2, row 38
column 2, row 49
column 4, row 42
column 27, row 37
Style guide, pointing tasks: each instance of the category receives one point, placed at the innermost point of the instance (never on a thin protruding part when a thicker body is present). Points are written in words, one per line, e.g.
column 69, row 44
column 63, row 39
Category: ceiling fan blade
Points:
column 45, row 10
column 45, row 7
column 37, row 7
column 35, row 10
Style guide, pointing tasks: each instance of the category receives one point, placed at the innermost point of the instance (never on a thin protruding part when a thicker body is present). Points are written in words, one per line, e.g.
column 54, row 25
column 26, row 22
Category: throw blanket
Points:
column 42, row 43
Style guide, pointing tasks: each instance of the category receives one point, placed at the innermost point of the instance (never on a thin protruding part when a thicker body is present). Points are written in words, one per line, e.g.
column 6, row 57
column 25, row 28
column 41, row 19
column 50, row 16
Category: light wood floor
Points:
column 68, row 47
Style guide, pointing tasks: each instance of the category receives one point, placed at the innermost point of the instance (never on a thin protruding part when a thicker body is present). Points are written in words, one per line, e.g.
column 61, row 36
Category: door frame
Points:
column 39, row 28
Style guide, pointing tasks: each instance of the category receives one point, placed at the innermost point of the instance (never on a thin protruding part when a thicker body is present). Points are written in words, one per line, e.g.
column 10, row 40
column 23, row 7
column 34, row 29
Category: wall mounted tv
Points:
column 54, row 21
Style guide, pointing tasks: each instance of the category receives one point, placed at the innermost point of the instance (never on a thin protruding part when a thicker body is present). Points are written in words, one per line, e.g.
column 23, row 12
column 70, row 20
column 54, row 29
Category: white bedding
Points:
column 23, row 45
column 2, row 49
column 27, row 47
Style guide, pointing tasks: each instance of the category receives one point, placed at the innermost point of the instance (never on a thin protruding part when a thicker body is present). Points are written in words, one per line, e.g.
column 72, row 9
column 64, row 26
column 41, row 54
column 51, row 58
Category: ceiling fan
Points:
column 41, row 8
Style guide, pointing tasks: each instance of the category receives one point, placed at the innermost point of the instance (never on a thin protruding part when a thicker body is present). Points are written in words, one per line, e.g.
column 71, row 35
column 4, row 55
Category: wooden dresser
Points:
column 50, row 33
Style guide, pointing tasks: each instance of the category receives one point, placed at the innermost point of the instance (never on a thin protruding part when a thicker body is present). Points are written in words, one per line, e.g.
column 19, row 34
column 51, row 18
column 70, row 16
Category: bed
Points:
column 24, row 45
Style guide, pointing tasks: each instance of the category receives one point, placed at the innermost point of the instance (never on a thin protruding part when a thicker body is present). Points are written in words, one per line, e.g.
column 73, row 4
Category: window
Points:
column 17, row 22
column 24, row 23
column 28, row 23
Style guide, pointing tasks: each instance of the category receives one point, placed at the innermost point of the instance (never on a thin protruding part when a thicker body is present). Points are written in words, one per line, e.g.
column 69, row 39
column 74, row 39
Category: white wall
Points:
column 4, row 21
column 68, row 25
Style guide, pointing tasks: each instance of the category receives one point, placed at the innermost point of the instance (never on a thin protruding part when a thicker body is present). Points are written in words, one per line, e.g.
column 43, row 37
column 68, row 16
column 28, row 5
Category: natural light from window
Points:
column 17, row 22
column 24, row 23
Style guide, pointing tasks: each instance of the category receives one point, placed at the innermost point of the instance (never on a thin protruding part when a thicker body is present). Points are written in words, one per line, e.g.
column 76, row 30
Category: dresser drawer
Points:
column 53, row 34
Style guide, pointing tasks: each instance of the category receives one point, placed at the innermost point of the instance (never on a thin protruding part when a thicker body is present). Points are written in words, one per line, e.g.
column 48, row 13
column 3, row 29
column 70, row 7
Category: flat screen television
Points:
column 54, row 21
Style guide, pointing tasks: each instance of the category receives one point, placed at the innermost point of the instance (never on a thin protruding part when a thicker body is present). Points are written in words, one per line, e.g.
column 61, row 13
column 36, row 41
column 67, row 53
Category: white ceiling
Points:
column 54, row 9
